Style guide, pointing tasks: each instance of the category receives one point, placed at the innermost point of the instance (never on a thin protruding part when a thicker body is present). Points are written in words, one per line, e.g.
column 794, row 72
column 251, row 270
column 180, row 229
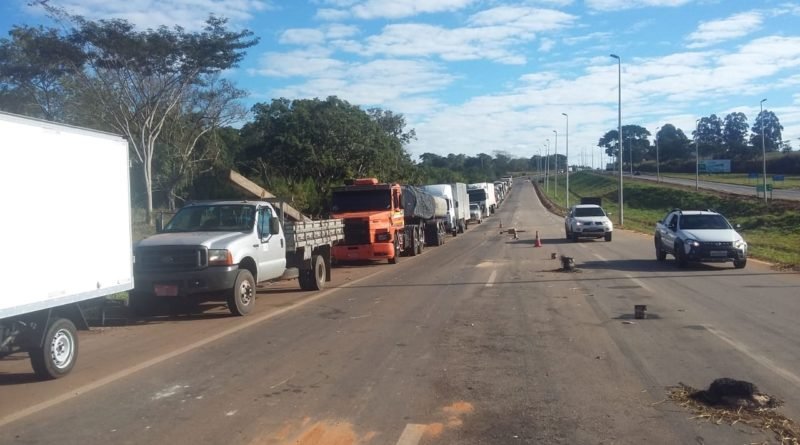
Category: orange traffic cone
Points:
column 538, row 241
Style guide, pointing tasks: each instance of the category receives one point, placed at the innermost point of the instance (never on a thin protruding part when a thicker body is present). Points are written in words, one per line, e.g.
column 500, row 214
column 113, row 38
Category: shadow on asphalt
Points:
column 639, row 265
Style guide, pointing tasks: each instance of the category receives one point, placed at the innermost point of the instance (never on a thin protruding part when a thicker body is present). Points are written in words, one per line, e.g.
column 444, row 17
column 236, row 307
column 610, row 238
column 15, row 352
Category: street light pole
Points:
column 567, row 116
column 547, row 168
column 763, row 148
column 696, row 157
column 658, row 171
column 630, row 154
column 555, row 178
column 619, row 131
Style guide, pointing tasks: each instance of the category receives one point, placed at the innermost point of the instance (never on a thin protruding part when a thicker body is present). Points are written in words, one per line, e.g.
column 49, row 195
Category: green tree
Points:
column 734, row 135
column 772, row 129
column 636, row 147
column 672, row 143
column 709, row 137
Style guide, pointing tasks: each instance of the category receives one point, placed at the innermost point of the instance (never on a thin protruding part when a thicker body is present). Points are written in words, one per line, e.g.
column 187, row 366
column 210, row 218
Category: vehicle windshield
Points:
column 361, row 200
column 704, row 222
column 477, row 195
column 475, row 207
column 589, row 211
column 217, row 218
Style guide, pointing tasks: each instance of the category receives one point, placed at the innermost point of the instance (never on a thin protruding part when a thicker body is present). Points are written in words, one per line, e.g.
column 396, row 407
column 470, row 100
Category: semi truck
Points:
column 376, row 223
column 68, row 236
column 461, row 204
column 221, row 250
column 482, row 193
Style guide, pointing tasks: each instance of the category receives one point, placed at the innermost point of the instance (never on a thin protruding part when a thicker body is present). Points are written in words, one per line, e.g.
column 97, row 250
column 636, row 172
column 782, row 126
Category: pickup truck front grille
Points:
column 356, row 232
column 171, row 258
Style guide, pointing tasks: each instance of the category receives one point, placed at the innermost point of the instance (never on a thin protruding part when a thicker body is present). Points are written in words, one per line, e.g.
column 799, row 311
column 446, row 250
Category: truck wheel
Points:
column 739, row 264
column 396, row 257
column 660, row 254
column 608, row 236
column 57, row 356
column 314, row 278
column 243, row 295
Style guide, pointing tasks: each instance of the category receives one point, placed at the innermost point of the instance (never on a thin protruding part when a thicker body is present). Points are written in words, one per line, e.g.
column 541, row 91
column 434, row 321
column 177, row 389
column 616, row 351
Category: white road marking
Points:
column 767, row 363
column 412, row 434
column 492, row 276
column 170, row 355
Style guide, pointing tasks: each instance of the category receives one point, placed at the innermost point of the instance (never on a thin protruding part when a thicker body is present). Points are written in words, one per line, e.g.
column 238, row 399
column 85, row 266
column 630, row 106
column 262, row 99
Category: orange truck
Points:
column 384, row 221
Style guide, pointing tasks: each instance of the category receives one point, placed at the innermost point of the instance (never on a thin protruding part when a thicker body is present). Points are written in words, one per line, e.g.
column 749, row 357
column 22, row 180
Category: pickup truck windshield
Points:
column 704, row 222
column 220, row 218
column 361, row 200
column 589, row 211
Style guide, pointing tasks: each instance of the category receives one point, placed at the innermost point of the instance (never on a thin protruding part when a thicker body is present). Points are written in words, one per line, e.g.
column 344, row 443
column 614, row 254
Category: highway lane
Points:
column 477, row 341
column 787, row 194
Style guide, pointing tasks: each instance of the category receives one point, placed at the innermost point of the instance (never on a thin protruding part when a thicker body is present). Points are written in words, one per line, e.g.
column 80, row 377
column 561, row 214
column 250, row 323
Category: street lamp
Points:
column 555, row 183
column 630, row 154
column 619, row 131
column 547, row 167
column 658, row 172
column 567, row 116
column 763, row 148
column 696, row 157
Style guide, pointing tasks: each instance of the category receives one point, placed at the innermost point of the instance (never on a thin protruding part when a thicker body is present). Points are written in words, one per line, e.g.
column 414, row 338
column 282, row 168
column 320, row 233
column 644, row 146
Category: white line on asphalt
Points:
column 769, row 364
column 490, row 283
column 156, row 360
column 412, row 434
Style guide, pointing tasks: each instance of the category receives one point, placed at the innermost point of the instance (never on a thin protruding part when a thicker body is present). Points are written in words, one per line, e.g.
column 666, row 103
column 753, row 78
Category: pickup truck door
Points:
column 668, row 230
column 271, row 248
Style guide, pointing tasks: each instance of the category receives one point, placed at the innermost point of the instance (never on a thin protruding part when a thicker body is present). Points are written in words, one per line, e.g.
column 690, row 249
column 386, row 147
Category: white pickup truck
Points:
column 699, row 235
column 220, row 250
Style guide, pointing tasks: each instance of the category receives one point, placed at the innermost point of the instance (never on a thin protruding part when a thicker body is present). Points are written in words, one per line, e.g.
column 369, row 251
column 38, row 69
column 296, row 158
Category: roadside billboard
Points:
column 715, row 166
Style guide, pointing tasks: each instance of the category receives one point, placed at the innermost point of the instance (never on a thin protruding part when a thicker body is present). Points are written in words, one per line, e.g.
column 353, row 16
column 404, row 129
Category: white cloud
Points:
column 617, row 5
column 303, row 63
column 314, row 36
column 716, row 31
column 546, row 45
column 388, row 9
column 190, row 14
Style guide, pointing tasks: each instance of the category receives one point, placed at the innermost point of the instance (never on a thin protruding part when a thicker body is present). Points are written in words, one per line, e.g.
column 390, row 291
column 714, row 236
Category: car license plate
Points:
column 165, row 290
column 719, row 253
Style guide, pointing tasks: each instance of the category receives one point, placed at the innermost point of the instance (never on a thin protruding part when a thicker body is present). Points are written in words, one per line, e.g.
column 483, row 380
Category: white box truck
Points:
column 66, row 235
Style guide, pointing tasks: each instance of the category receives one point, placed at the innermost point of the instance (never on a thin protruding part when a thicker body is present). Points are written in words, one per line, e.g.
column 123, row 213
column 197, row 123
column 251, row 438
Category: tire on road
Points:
column 660, row 254
column 243, row 295
column 740, row 264
column 680, row 256
column 396, row 257
column 314, row 278
column 57, row 355
column 608, row 236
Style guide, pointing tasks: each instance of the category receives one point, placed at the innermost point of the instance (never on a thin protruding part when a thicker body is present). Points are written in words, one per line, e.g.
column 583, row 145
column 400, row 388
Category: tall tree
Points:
column 709, row 137
column 734, row 135
column 636, row 143
column 772, row 129
column 672, row 143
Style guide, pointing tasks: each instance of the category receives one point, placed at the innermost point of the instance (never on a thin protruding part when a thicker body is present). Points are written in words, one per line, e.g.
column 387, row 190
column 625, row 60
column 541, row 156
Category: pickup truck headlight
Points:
column 578, row 223
column 692, row 243
column 220, row 257
column 740, row 244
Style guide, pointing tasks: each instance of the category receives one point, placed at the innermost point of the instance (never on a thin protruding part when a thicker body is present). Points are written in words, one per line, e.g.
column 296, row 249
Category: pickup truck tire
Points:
column 243, row 295
column 660, row 254
column 739, row 264
column 680, row 256
column 608, row 236
column 57, row 356
column 314, row 278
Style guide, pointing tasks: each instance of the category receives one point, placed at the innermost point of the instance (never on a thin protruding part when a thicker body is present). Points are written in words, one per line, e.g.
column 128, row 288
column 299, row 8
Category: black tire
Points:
column 569, row 235
column 142, row 304
column 608, row 236
column 314, row 278
column 680, row 256
column 243, row 295
column 58, row 354
column 660, row 254
column 739, row 264
column 396, row 257
column 574, row 237
column 419, row 244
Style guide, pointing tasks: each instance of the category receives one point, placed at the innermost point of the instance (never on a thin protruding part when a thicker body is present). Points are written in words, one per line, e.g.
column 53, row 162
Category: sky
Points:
column 489, row 76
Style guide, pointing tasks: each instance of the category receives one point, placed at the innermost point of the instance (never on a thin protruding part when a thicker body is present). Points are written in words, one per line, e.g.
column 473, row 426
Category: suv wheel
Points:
column 680, row 256
column 660, row 254
column 739, row 264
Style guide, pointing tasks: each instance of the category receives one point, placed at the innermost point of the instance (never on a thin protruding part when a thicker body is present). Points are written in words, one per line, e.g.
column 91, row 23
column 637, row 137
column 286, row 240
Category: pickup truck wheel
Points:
column 739, row 264
column 574, row 236
column 243, row 296
column 608, row 236
column 680, row 256
column 314, row 278
column 660, row 254
column 57, row 356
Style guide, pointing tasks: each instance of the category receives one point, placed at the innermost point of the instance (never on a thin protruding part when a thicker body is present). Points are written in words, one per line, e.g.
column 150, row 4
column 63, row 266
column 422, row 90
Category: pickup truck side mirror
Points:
column 274, row 226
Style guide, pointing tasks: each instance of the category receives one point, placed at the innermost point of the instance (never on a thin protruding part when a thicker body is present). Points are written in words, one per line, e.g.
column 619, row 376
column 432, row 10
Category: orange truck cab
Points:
column 373, row 218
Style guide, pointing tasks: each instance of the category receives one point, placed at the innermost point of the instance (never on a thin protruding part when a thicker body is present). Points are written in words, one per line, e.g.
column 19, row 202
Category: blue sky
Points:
column 480, row 76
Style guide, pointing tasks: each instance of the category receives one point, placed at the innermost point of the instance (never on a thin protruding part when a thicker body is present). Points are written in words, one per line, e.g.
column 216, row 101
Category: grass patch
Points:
column 770, row 229
column 789, row 182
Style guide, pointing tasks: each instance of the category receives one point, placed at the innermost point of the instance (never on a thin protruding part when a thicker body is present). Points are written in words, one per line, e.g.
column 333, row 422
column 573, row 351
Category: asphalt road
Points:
column 479, row 341
column 788, row 194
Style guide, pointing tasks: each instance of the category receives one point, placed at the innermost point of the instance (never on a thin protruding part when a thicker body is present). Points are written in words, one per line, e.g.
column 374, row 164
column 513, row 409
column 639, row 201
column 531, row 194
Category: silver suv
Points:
column 699, row 235
column 588, row 221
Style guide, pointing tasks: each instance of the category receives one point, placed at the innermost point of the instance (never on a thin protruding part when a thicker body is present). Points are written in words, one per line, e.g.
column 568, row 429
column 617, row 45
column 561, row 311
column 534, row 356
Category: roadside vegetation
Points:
column 769, row 229
column 789, row 182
